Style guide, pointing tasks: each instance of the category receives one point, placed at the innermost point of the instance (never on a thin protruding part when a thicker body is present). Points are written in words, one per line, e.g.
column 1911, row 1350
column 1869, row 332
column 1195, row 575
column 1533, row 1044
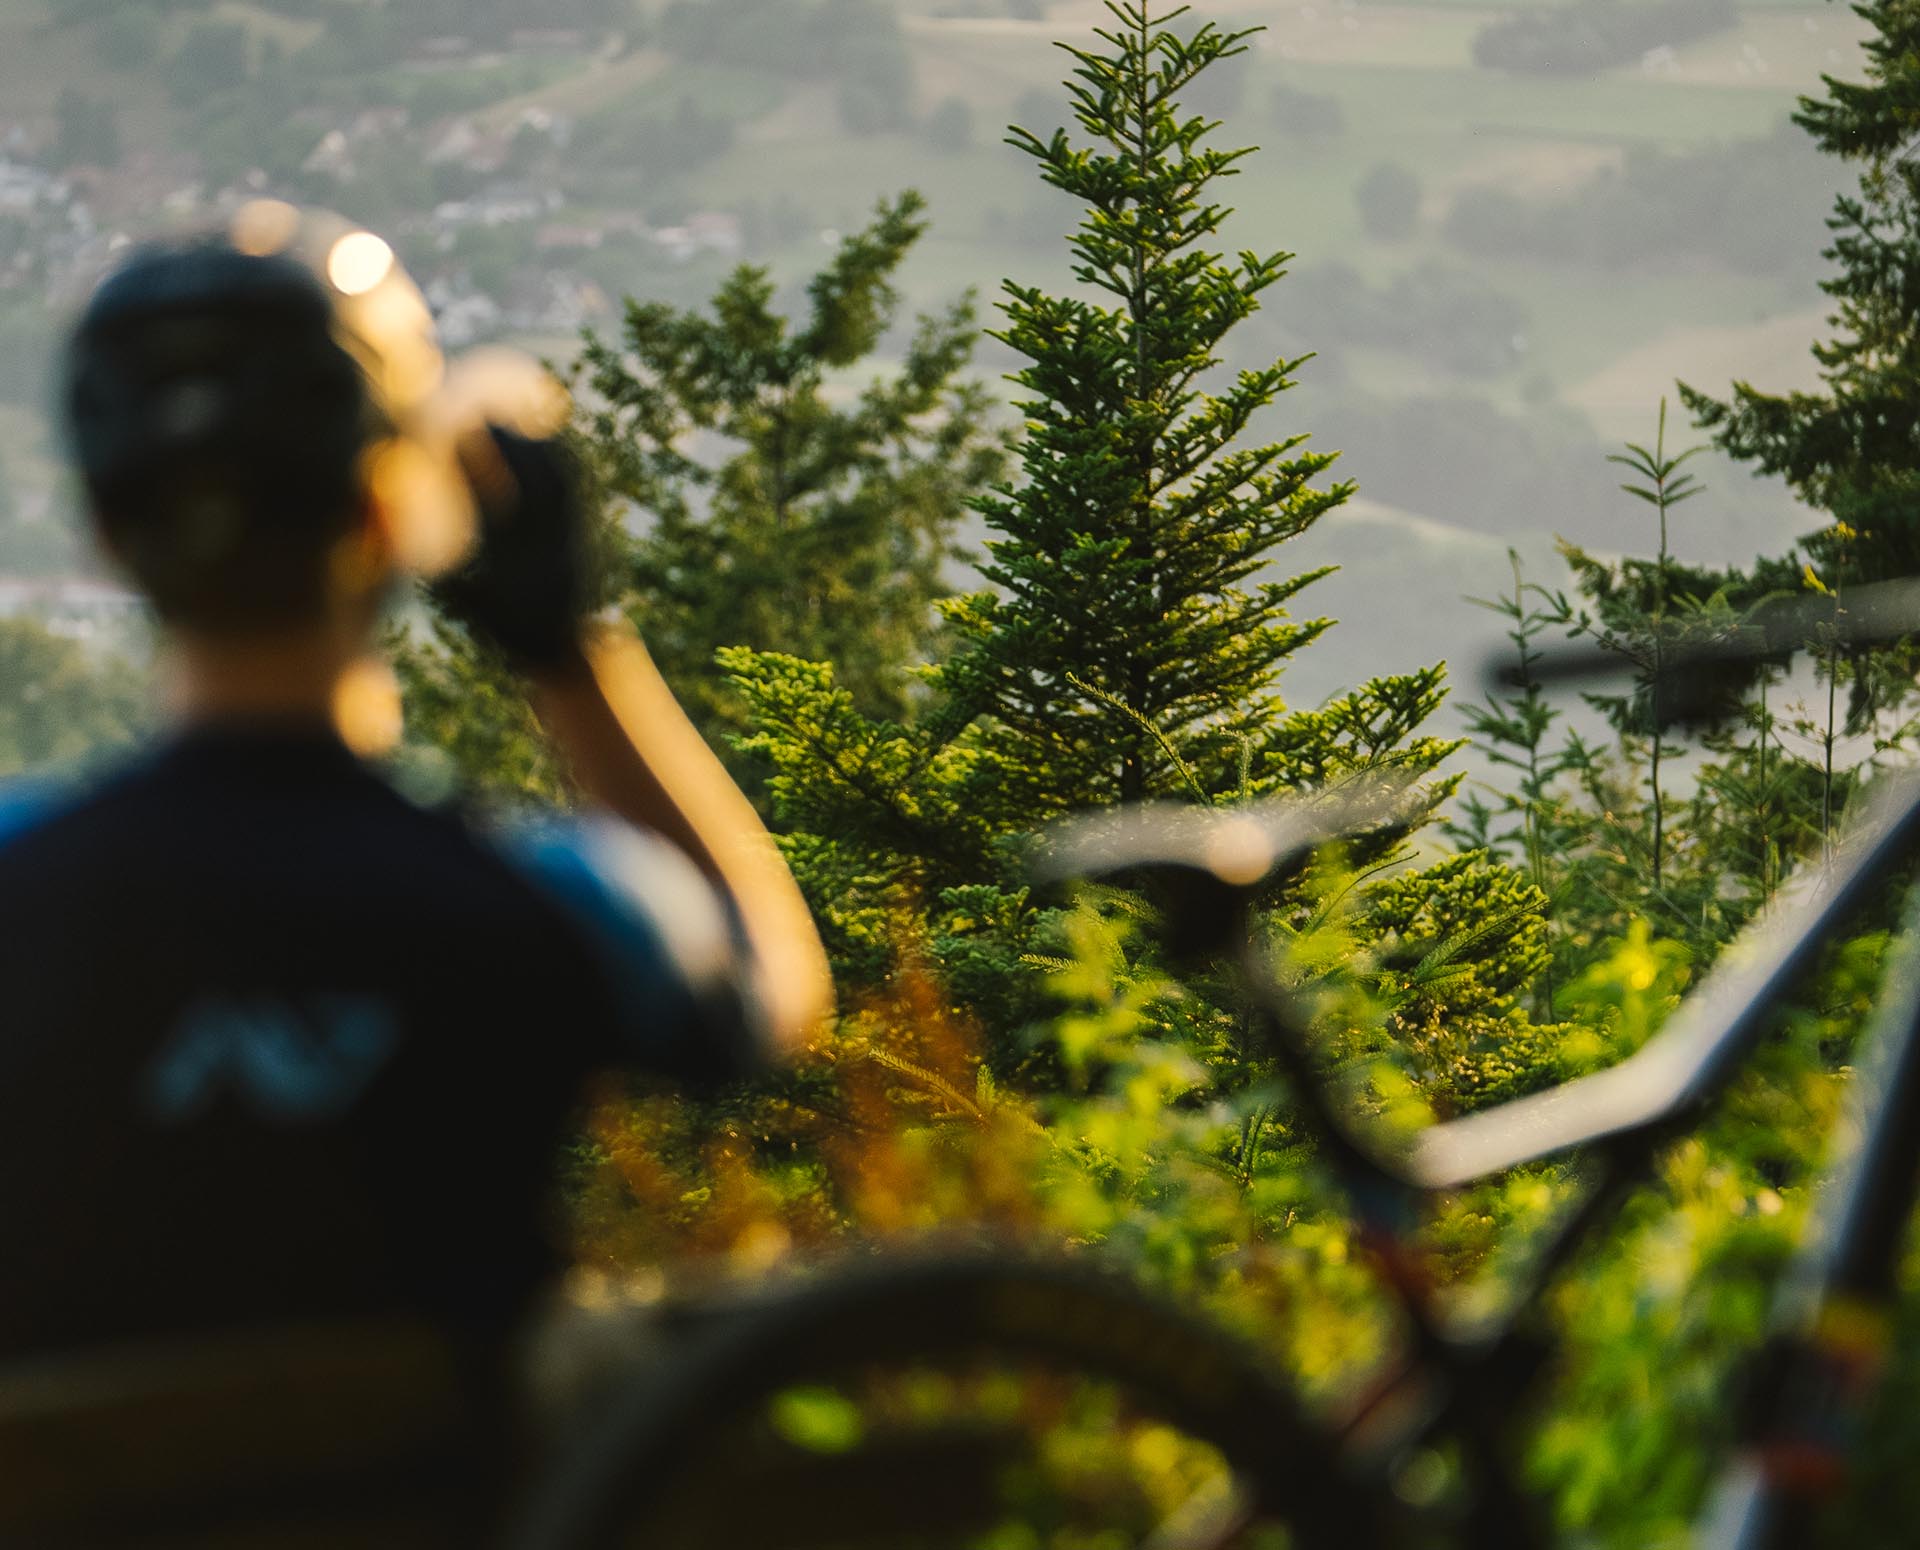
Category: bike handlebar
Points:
column 1697, row 1054
column 1239, row 850
column 1241, row 847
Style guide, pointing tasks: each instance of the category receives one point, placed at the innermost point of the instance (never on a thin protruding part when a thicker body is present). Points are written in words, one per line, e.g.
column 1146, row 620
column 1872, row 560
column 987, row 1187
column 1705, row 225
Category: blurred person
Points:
column 284, row 1053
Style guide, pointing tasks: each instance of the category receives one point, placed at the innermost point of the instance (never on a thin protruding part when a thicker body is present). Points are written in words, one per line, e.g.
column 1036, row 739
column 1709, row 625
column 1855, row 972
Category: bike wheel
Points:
column 972, row 1401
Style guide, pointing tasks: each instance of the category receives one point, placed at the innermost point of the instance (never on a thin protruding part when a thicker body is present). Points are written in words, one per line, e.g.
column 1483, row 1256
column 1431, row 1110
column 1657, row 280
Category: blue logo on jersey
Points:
column 293, row 1061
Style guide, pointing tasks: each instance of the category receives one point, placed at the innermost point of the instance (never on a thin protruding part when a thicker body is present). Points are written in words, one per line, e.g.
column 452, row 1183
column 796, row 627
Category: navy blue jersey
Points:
column 278, row 1044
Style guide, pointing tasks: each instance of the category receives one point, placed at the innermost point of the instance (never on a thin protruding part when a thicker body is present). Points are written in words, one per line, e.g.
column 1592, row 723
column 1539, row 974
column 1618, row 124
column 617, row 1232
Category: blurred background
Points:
column 1515, row 227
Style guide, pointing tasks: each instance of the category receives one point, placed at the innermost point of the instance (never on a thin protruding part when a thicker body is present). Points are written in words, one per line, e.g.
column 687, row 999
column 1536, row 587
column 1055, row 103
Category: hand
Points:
column 524, row 588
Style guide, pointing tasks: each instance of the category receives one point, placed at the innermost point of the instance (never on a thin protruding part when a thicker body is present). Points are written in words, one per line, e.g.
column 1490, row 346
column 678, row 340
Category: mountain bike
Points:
column 704, row 1450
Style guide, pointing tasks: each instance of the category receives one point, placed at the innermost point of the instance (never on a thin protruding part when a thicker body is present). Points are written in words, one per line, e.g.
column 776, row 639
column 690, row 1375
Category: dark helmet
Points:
column 227, row 399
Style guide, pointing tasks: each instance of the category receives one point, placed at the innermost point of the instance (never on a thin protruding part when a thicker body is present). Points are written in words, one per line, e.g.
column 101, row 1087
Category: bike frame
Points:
column 1834, row 1314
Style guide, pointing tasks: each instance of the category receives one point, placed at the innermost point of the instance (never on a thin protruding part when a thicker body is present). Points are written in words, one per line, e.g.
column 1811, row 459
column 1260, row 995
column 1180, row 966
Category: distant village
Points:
column 66, row 227
column 63, row 229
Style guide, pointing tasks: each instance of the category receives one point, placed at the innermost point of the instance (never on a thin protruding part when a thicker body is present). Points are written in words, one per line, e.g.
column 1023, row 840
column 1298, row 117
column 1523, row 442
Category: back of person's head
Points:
column 225, row 397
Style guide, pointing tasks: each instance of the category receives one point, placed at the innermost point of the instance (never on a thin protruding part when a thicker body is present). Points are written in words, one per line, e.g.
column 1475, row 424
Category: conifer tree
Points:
column 1646, row 639
column 1853, row 447
column 776, row 510
column 1133, row 645
column 1131, row 612
column 1626, row 843
column 822, row 521
column 1514, row 731
column 1602, row 835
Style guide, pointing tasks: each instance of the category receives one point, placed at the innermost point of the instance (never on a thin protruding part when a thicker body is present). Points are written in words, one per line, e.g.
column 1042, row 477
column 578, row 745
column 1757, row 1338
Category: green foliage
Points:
column 1659, row 1318
column 1848, row 447
column 1008, row 1060
column 1647, row 886
column 1646, row 639
column 835, row 771
column 1199, row 1179
column 747, row 499
column 1513, row 730
column 907, row 836
column 1601, row 830
column 469, row 729
column 1137, row 496
column 61, row 705
column 824, row 521
column 1000, row 1059
column 1122, row 658
column 1119, row 555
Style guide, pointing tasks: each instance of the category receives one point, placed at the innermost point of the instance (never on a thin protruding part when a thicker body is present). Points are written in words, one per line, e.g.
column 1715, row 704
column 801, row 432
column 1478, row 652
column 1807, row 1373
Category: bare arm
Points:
column 632, row 749
column 615, row 721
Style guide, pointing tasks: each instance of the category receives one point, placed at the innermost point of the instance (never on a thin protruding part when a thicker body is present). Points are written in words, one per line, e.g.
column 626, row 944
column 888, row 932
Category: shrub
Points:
column 1388, row 199
column 949, row 127
column 1305, row 114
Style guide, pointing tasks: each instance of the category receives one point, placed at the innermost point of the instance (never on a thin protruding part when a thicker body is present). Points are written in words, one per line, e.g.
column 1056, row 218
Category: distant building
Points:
column 710, row 231
column 24, row 189
column 486, row 148
column 336, row 154
column 504, row 206
column 557, row 302
column 460, row 140
column 557, row 127
column 78, row 607
column 560, row 237
column 717, row 231
column 463, row 315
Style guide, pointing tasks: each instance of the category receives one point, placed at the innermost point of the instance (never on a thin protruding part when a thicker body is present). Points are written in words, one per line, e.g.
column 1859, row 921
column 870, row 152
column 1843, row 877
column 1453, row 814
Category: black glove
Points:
column 524, row 589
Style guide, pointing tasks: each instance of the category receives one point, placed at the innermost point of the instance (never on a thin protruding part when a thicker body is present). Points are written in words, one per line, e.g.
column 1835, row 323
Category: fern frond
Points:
column 931, row 1080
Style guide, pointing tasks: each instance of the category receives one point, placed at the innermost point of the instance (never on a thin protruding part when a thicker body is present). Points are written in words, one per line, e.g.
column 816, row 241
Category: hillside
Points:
column 1501, row 269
